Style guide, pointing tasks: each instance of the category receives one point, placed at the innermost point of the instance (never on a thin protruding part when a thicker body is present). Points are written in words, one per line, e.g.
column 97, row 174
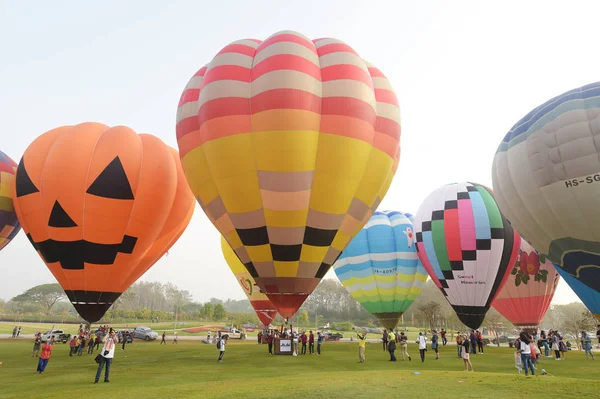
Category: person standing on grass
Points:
column 525, row 351
column 464, row 353
column 544, row 342
column 392, row 345
column 479, row 338
column 106, row 355
column 434, row 344
column 91, row 345
column 404, row 346
column 221, row 347
column 473, row 339
column 586, row 344
column 459, row 343
column 14, row 333
column 443, row 335
column 319, row 342
column 175, row 339
column 164, row 336
column 37, row 344
column 44, row 357
column 270, row 339
column 384, row 338
column 311, row 342
column 422, row 341
column 82, row 343
column 304, row 340
column 362, row 346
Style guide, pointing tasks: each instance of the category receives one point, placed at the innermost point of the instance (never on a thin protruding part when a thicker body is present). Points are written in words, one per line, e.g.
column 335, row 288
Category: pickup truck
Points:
column 59, row 336
column 233, row 333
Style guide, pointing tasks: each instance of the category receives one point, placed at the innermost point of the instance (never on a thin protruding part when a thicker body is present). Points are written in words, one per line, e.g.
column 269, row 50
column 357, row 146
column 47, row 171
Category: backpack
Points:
column 219, row 344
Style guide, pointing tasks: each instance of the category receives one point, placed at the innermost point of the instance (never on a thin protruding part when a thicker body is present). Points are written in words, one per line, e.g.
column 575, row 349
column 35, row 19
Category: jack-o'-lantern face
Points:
column 111, row 183
column 95, row 203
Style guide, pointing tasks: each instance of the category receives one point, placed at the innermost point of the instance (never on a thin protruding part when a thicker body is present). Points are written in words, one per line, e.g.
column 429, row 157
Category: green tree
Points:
column 46, row 295
column 303, row 318
column 207, row 311
column 219, row 313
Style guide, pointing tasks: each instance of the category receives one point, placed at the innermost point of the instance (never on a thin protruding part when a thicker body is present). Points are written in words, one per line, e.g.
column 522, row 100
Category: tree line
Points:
column 329, row 303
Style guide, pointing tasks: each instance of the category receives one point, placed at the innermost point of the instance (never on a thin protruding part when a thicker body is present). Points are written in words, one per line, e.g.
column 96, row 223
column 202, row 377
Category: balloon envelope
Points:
column 94, row 202
column 265, row 310
column 529, row 289
column 9, row 224
column 466, row 246
column 546, row 179
column 380, row 267
column 289, row 145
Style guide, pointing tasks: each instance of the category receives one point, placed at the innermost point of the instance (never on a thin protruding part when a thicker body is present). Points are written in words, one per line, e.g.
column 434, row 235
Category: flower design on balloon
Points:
column 528, row 264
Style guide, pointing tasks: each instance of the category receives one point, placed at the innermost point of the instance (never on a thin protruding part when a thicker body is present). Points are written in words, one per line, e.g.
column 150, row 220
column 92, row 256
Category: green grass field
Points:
column 190, row 370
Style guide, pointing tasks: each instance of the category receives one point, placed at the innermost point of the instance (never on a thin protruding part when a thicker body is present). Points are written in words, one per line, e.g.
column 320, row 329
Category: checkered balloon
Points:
column 467, row 247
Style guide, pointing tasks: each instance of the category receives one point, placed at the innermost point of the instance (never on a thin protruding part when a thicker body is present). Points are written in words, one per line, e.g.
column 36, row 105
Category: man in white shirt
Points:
column 107, row 354
column 422, row 341
column 221, row 345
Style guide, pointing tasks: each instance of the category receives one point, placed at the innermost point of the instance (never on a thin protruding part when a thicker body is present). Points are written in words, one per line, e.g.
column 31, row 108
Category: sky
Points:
column 464, row 73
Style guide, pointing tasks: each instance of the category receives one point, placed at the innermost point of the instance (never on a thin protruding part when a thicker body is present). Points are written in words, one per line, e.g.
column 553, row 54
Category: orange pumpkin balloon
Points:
column 100, row 205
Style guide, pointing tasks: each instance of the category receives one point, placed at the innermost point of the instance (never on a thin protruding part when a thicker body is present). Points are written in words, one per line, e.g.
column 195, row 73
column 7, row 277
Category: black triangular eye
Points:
column 24, row 184
column 112, row 182
column 59, row 217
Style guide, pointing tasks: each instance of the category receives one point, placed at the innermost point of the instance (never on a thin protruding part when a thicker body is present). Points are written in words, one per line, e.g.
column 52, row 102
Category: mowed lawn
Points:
column 190, row 370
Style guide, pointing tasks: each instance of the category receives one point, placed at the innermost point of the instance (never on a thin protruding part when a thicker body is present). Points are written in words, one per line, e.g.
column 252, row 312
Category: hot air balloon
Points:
column 265, row 310
column 467, row 247
column 100, row 205
column 380, row 267
column 9, row 224
column 527, row 294
column 289, row 145
column 546, row 179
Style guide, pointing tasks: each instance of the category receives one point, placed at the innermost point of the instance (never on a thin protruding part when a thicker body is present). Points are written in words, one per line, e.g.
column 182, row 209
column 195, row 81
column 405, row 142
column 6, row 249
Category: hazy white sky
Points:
column 464, row 72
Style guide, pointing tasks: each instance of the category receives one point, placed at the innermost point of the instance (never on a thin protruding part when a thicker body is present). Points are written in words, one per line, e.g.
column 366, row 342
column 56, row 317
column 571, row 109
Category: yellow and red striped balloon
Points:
column 289, row 145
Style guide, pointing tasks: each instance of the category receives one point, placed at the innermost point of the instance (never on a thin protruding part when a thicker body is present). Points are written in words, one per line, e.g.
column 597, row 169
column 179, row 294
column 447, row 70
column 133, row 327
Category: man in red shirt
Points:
column 304, row 339
column 44, row 357
column 311, row 343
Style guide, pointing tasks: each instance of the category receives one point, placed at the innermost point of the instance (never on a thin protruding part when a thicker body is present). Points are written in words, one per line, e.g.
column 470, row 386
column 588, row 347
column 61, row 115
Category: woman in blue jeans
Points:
column 525, row 351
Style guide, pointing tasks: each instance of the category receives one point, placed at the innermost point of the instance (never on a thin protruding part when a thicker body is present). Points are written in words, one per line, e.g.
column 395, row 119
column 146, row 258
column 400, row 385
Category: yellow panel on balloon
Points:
column 230, row 188
column 342, row 156
column 286, row 269
column 341, row 240
column 286, row 151
column 313, row 254
column 286, row 218
column 233, row 239
column 260, row 253
column 330, row 194
column 207, row 192
column 236, row 149
column 378, row 168
column 196, row 169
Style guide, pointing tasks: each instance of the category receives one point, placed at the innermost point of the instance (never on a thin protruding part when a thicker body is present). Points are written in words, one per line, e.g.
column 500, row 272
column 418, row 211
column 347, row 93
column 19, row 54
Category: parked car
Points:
column 59, row 336
column 145, row 333
column 333, row 337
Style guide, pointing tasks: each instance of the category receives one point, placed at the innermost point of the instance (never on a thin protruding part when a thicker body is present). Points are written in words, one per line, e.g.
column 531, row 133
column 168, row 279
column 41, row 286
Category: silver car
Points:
column 145, row 333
